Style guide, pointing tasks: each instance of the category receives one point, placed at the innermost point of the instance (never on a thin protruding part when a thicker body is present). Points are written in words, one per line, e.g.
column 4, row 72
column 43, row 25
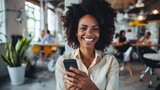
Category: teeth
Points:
column 89, row 40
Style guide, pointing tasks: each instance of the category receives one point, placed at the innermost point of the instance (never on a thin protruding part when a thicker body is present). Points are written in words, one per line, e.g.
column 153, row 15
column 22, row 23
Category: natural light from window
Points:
column 2, row 22
column 33, row 20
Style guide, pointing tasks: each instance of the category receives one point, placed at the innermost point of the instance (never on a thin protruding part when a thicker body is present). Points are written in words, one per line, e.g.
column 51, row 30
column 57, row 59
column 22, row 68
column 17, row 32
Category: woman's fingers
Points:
column 83, row 74
column 69, row 84
column 71, row 79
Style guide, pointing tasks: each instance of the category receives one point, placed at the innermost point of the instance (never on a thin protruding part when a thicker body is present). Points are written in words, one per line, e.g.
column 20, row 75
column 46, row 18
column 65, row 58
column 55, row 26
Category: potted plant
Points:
column 16, row 60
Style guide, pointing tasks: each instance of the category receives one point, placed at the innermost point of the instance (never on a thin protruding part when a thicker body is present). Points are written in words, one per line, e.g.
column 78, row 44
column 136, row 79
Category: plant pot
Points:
column 16, row 75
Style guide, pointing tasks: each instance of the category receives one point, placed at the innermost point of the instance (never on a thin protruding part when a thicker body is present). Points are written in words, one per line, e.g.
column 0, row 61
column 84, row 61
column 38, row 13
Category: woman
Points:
column 121, row 40
column 89, row 29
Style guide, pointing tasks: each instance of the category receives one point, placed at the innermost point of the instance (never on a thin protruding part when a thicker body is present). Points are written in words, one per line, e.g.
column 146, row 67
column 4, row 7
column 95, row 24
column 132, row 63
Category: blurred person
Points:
column 130, row 35
column 48, row 38
column 89, row 30
column 123, row 45
column 146, row 39
column 122, row 42
column 41, row 36
column 115, row 38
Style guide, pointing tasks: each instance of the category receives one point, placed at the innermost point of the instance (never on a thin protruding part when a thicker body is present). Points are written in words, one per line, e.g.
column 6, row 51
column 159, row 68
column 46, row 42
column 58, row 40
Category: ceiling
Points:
column 119, row 5
column 125, row 5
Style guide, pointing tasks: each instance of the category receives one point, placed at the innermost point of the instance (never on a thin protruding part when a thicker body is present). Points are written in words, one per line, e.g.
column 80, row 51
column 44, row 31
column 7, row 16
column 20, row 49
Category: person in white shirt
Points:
column 146, row 39
column 89, row 30
column 130, row 35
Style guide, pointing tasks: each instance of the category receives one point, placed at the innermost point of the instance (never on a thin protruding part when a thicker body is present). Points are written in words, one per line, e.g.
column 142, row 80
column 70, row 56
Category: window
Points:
column 2, row 22
column 33, row 20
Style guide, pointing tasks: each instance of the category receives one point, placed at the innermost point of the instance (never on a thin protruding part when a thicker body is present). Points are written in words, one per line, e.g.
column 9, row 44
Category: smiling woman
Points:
column 89, row 30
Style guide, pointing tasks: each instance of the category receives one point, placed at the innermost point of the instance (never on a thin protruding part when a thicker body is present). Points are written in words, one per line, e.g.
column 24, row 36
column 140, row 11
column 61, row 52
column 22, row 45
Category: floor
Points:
column 45, row 80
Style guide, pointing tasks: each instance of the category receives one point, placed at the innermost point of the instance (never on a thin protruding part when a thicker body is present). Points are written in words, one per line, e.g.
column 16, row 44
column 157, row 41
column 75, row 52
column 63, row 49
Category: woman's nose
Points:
column 89, row 31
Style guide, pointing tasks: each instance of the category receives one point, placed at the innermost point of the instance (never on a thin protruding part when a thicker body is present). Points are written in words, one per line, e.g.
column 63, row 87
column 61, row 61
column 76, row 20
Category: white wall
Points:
column 12, row 26
column 3, row 66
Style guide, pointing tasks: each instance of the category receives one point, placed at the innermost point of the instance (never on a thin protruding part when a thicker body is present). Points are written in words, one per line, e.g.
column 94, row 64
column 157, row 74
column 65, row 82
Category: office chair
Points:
column 126, row 60
column 151, row 65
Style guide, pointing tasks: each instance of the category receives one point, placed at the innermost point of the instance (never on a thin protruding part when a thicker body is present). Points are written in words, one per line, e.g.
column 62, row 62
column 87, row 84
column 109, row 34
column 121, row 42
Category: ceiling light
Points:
column 140, row 17
column 126, row 16
column 155, row 11
column 139, row 4
column 154, row 16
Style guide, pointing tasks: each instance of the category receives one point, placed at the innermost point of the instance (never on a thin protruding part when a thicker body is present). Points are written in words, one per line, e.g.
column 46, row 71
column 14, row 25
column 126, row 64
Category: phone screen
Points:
column 70, row 62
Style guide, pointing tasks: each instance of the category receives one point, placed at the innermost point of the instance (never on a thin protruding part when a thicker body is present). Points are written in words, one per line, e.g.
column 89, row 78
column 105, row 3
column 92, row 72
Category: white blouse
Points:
column 103, row 71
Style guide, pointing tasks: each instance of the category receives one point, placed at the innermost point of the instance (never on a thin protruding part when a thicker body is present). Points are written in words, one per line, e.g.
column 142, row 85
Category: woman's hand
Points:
column 78, row 80
column 125, row 42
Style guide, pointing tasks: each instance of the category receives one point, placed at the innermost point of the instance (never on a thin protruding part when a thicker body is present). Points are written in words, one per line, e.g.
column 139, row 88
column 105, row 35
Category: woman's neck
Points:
column 87, row 56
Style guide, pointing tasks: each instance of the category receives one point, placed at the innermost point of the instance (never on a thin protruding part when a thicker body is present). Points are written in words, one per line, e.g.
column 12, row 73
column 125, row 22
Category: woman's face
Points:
column 88, row 31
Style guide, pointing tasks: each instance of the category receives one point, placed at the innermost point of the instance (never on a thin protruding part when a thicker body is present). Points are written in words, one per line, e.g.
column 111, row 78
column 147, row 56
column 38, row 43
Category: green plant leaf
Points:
column 6, row 60
column 21, row 45
column 15, row 56
column 25, row 47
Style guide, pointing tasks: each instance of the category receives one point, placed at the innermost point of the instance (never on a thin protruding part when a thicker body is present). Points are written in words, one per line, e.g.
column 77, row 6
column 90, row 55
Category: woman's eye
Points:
column 83, row 28
column 96, row 29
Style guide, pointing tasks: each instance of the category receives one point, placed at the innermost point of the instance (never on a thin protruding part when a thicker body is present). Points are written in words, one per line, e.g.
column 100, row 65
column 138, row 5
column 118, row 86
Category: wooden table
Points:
column 136, row 44
column 46, row 48
column 54, row 44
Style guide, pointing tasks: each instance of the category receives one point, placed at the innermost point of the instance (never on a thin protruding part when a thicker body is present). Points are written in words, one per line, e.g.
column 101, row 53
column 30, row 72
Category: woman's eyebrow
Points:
column 92, row 26
column 84, row 25
column 95, row 26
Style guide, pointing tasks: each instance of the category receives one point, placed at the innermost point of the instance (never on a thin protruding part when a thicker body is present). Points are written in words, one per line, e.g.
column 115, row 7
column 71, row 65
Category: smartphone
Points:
column 70, row 62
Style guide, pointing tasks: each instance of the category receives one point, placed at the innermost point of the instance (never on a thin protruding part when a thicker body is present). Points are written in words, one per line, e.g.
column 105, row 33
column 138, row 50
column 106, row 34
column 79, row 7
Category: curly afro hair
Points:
column 104, row 14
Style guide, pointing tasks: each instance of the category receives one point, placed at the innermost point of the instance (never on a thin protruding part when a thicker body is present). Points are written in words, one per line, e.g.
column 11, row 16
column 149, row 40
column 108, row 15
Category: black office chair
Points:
column 151, row 64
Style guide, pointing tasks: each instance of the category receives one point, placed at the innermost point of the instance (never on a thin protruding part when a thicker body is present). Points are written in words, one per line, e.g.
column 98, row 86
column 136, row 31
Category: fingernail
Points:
column 71, row 67
column 65, row 76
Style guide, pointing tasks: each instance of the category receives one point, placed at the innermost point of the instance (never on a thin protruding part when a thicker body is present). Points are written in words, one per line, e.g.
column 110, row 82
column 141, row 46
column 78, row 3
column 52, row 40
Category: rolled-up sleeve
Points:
column 59, row 75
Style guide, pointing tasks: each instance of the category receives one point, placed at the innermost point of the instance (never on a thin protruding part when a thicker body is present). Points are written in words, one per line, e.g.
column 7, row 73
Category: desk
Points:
column 152, row 56
column 136, row 44
column 53, row 45
column 46, row 48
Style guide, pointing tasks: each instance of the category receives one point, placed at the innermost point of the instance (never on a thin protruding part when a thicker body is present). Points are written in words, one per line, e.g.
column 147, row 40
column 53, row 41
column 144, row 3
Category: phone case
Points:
column 70, row 62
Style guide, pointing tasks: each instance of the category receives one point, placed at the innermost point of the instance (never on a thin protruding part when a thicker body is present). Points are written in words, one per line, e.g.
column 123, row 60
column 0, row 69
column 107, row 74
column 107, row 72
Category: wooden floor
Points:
column 46, row 80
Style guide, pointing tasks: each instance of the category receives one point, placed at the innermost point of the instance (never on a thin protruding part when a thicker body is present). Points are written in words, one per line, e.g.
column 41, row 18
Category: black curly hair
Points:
column 104, row 14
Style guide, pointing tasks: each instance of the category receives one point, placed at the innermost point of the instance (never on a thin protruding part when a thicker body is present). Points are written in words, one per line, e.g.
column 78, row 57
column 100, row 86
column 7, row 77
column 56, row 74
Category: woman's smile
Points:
column 88, row 31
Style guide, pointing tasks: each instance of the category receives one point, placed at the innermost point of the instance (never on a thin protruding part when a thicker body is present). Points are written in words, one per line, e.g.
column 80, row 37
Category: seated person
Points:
column 48, row 38
column 121, row 40
column 41, row 36
column 115, row 38
column 146, row 39
column 123, row 45
column 130, row 35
